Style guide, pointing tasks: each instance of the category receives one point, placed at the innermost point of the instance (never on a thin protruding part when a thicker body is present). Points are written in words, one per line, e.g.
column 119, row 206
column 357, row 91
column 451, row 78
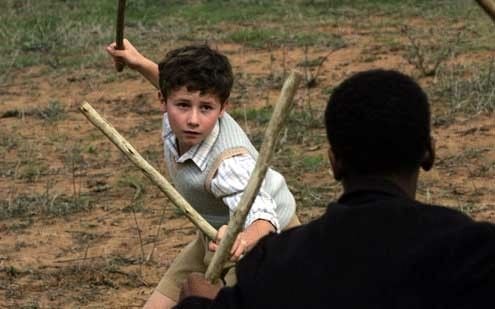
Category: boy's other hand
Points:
column 128, row 56
column 245, row 240
column 197, row 285
column 214, row 244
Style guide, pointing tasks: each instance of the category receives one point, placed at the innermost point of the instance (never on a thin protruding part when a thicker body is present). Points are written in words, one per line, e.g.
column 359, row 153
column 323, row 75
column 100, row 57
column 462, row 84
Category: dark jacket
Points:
column 375, row 248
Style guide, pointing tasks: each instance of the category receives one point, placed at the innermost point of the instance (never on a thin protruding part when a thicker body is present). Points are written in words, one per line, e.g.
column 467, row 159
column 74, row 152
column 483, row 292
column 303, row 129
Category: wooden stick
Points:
column 272, row 134
column 148, row 170
column 119, row 35
column 488, row 6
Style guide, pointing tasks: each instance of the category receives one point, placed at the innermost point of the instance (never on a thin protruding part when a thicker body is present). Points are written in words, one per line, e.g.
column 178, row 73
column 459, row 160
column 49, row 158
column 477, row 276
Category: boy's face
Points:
column 192, row 116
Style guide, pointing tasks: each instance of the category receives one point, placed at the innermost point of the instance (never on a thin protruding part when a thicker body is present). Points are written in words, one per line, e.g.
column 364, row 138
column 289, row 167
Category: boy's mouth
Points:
column 191, row 133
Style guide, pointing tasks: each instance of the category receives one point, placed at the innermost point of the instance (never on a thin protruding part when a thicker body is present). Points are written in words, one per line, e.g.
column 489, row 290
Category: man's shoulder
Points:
column 401, row 207
column 298, row 234
column 442, row 212
column 286, row 247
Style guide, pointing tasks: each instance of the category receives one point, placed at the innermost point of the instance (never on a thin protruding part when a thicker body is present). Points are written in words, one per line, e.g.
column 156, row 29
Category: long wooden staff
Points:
column 119, row 35
column 272, row 134
column 148, row 170
column 488, row 6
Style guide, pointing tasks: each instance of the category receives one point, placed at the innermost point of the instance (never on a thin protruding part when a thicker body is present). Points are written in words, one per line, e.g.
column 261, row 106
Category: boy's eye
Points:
column 182, row 105
column 206, row 107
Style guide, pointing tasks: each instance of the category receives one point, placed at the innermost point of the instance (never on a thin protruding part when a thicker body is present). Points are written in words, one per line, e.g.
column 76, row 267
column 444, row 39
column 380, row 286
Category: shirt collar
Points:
column 198, row 153
column 374, row 185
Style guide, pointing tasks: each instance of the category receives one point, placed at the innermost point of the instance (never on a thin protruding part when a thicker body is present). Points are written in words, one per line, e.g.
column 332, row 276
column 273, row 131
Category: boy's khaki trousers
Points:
column 196, row 257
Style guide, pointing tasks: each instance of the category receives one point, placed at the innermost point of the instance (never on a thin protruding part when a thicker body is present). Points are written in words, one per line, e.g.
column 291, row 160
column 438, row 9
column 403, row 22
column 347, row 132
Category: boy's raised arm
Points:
column 132, row 58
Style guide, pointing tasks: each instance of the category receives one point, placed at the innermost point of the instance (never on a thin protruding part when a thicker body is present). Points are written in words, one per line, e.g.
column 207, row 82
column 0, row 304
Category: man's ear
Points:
column 335, row 165
column 429, row 156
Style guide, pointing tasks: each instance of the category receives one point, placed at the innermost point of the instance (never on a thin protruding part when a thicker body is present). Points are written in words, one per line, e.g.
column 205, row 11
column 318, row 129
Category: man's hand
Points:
column 245, row 241
column 197, row 285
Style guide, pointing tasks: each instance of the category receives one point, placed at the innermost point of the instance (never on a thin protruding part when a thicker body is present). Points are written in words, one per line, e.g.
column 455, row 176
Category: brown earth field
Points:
column 81, row 226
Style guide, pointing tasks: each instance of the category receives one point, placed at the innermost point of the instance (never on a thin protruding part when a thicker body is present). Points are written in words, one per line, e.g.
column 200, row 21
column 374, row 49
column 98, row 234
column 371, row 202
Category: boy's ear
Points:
column 429, row 156
column 223, row 108
column 161, row 98
column 335, row 165
column 163, row 102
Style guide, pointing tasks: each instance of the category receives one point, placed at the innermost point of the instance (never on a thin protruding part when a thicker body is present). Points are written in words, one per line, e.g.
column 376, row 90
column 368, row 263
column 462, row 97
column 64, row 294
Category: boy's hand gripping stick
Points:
column 272, row 134
column 148, row 170
column 119, row 35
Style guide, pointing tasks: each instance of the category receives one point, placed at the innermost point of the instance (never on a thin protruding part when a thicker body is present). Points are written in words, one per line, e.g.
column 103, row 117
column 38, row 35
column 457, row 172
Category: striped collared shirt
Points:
column 231, row 178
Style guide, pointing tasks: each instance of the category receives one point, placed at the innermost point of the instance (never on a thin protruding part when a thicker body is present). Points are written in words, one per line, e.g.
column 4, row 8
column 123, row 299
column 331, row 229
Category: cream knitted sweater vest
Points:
column 195, row 184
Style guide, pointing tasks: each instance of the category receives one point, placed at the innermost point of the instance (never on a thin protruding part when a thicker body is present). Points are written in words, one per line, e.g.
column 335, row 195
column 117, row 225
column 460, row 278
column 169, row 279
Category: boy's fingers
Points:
column 222, row 230
column 111, row 46
column 114, row 52
column 127, row 44
column 238, row 249
column 233, row 250
column 237, row 254
column 220, row 234
column 235, row 246
column 118, row 61
column 212, row 246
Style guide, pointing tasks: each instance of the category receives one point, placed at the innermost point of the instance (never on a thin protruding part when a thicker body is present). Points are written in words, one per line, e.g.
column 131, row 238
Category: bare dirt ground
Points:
column 95, row 233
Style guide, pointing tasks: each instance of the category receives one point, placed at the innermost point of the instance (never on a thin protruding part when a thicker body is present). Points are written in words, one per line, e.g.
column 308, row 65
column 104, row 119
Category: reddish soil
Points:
column 96, row 257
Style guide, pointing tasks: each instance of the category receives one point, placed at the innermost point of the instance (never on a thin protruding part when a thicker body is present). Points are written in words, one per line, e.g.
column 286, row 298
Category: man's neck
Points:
column 406, row 182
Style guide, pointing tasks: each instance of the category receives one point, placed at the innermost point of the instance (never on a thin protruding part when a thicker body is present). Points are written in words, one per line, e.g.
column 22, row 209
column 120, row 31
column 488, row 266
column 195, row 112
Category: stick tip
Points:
column 85, row 106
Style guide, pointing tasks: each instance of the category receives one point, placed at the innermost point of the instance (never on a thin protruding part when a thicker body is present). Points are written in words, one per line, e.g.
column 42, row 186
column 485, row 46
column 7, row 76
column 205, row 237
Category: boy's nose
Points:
column 193, row 119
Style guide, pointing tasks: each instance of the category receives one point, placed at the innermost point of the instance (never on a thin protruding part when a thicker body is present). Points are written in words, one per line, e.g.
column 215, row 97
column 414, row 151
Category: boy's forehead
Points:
column 186, row 92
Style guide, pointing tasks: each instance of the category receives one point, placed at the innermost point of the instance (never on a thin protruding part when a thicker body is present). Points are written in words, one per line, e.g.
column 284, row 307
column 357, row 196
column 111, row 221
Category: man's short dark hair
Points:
column 197, row 67
column 378, row 121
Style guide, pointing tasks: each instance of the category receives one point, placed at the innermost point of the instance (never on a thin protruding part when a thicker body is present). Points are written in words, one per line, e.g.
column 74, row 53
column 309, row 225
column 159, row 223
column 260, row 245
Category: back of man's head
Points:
column 197, row 67
column 378, row 122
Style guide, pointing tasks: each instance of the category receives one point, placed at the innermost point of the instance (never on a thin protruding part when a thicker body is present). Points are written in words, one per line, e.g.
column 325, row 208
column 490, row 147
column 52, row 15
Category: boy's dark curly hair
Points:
column 378, row 122
column 198, row 67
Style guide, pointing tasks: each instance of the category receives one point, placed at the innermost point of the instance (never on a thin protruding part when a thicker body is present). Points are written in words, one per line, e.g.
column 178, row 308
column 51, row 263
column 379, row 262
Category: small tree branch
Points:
column 138, row 231
column 272, row 133
column 148, row 170
column 119, row 32
column 150, row 255
column 488, row 6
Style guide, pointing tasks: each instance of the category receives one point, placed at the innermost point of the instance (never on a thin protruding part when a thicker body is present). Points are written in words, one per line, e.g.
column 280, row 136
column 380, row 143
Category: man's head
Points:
column 378, row 123
column 198, row 68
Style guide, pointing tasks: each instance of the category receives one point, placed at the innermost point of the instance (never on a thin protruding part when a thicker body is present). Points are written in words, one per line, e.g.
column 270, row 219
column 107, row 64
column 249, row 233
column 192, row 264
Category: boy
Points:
column 377, row 247
column 209, row 158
